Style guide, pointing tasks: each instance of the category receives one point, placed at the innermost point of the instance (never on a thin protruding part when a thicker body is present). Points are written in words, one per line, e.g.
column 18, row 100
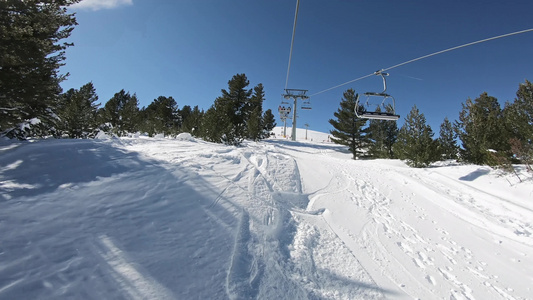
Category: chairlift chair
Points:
column 306, row 104
column 384, row 104
column 284, row 111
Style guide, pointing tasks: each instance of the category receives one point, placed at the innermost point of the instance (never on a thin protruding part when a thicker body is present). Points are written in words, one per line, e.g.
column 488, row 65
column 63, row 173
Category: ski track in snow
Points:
column 167, row 219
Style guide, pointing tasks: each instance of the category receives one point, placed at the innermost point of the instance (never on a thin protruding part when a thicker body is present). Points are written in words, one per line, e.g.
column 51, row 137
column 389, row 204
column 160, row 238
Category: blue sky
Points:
column 189, row 49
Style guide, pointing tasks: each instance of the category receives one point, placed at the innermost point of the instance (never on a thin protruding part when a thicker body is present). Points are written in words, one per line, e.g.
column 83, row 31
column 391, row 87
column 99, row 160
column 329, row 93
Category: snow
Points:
column 185, row 136
column 102, row 136
column 312, row 136
column 164, row 218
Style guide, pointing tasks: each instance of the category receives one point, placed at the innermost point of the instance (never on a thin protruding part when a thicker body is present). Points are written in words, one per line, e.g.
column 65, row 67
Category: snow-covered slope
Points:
column 302, row 135
column 140, row 218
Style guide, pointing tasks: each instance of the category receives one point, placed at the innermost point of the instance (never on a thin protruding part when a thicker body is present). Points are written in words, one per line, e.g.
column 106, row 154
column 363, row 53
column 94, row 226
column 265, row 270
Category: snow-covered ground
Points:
column 302, row 135
column 142, row 218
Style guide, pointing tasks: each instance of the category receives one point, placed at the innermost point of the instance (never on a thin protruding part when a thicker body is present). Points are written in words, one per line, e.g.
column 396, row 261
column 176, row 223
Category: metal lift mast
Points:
column 295, row 94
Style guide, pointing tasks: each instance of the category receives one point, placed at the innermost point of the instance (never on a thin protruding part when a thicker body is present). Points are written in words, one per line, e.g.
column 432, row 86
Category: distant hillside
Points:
column 312, row 136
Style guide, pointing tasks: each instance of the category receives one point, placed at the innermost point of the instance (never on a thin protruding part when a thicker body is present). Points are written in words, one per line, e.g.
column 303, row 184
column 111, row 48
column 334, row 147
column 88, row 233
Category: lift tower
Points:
column 295, row 94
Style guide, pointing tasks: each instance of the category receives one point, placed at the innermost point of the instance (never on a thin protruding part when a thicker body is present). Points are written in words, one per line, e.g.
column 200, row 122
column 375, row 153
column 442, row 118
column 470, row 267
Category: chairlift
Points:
column 383, row 104
column 284, row 111
column 306, row 104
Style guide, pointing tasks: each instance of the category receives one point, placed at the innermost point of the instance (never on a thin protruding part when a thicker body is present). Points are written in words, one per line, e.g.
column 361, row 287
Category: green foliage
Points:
column 254, row 122
column 192, row 120
column 233, row 110
column 447, row 144
column 519, row 124
column 209, row 129
column 121, row 114
column 236, row 115
column 269, row 122
column 230, row 112
column 415, row 141
column 481, row 128
column 161, row 116
column 382, row 135
column 77, row 110
column 184, row 114
column 30, row 57
column 348, row 128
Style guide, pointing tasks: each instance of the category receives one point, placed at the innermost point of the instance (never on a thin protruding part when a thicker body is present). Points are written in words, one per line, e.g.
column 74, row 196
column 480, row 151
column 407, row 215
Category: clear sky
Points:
column 189, row 49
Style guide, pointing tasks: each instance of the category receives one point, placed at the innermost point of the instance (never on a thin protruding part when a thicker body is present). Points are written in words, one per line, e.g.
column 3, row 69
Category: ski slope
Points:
column 156, row 218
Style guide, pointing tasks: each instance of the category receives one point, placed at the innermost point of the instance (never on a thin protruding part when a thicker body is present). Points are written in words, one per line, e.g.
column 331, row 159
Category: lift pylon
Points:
column 295, row 94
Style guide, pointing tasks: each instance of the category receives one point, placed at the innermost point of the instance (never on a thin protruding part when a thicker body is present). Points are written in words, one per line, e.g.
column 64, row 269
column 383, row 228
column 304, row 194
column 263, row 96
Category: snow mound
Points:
column 185, row 136
column 102, row 136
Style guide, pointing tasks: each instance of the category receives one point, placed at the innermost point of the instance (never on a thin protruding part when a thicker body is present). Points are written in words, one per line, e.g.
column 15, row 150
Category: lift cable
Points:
column 292, row 42
column 426, row 56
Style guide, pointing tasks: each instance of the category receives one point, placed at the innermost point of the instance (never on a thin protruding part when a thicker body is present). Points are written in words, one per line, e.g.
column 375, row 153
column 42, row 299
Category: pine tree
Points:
column 481, row 128
column 210, row 127
column 447, row 144
column 77, row 111
column 254, row 120
column 30, row 57
column 122, row 113
column 225, row 121
column 184, row 114
column 161, row 116
column 348, row 128
column 415, row 141
column 193, row 122
column 269, row 122
column 130, row 115
column 382, row 135
column 518, row 118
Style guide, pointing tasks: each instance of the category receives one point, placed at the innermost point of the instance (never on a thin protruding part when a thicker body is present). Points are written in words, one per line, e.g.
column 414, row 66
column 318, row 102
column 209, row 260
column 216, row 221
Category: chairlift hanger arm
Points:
column 382, row 74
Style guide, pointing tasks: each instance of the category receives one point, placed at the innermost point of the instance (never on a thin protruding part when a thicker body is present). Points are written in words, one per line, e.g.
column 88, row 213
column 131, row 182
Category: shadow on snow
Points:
column 84, row 219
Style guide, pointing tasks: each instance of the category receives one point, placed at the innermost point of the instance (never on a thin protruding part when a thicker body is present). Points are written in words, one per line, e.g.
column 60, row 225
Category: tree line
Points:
column 484, row 134
column 32, row 103
column 234, row 116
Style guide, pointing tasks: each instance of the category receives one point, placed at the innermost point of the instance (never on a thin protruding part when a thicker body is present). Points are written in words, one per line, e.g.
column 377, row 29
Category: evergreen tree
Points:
column 269, row 122
column 210, row 129
column 225, row 121
column 121, row 113
column 184, row 114
column 481, row 128
column 348, row 128
column 254, row 126
column 77, row 111
column 382, row 135
column 255, row 110
column 447, row 140
column 30, row 56
column 130, row 115
column 415, row 141
column 519, row 123
column 161, row 116
column 193, row 122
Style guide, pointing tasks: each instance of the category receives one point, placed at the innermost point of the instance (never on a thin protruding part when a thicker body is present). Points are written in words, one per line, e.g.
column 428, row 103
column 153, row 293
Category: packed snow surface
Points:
column 162, row 218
